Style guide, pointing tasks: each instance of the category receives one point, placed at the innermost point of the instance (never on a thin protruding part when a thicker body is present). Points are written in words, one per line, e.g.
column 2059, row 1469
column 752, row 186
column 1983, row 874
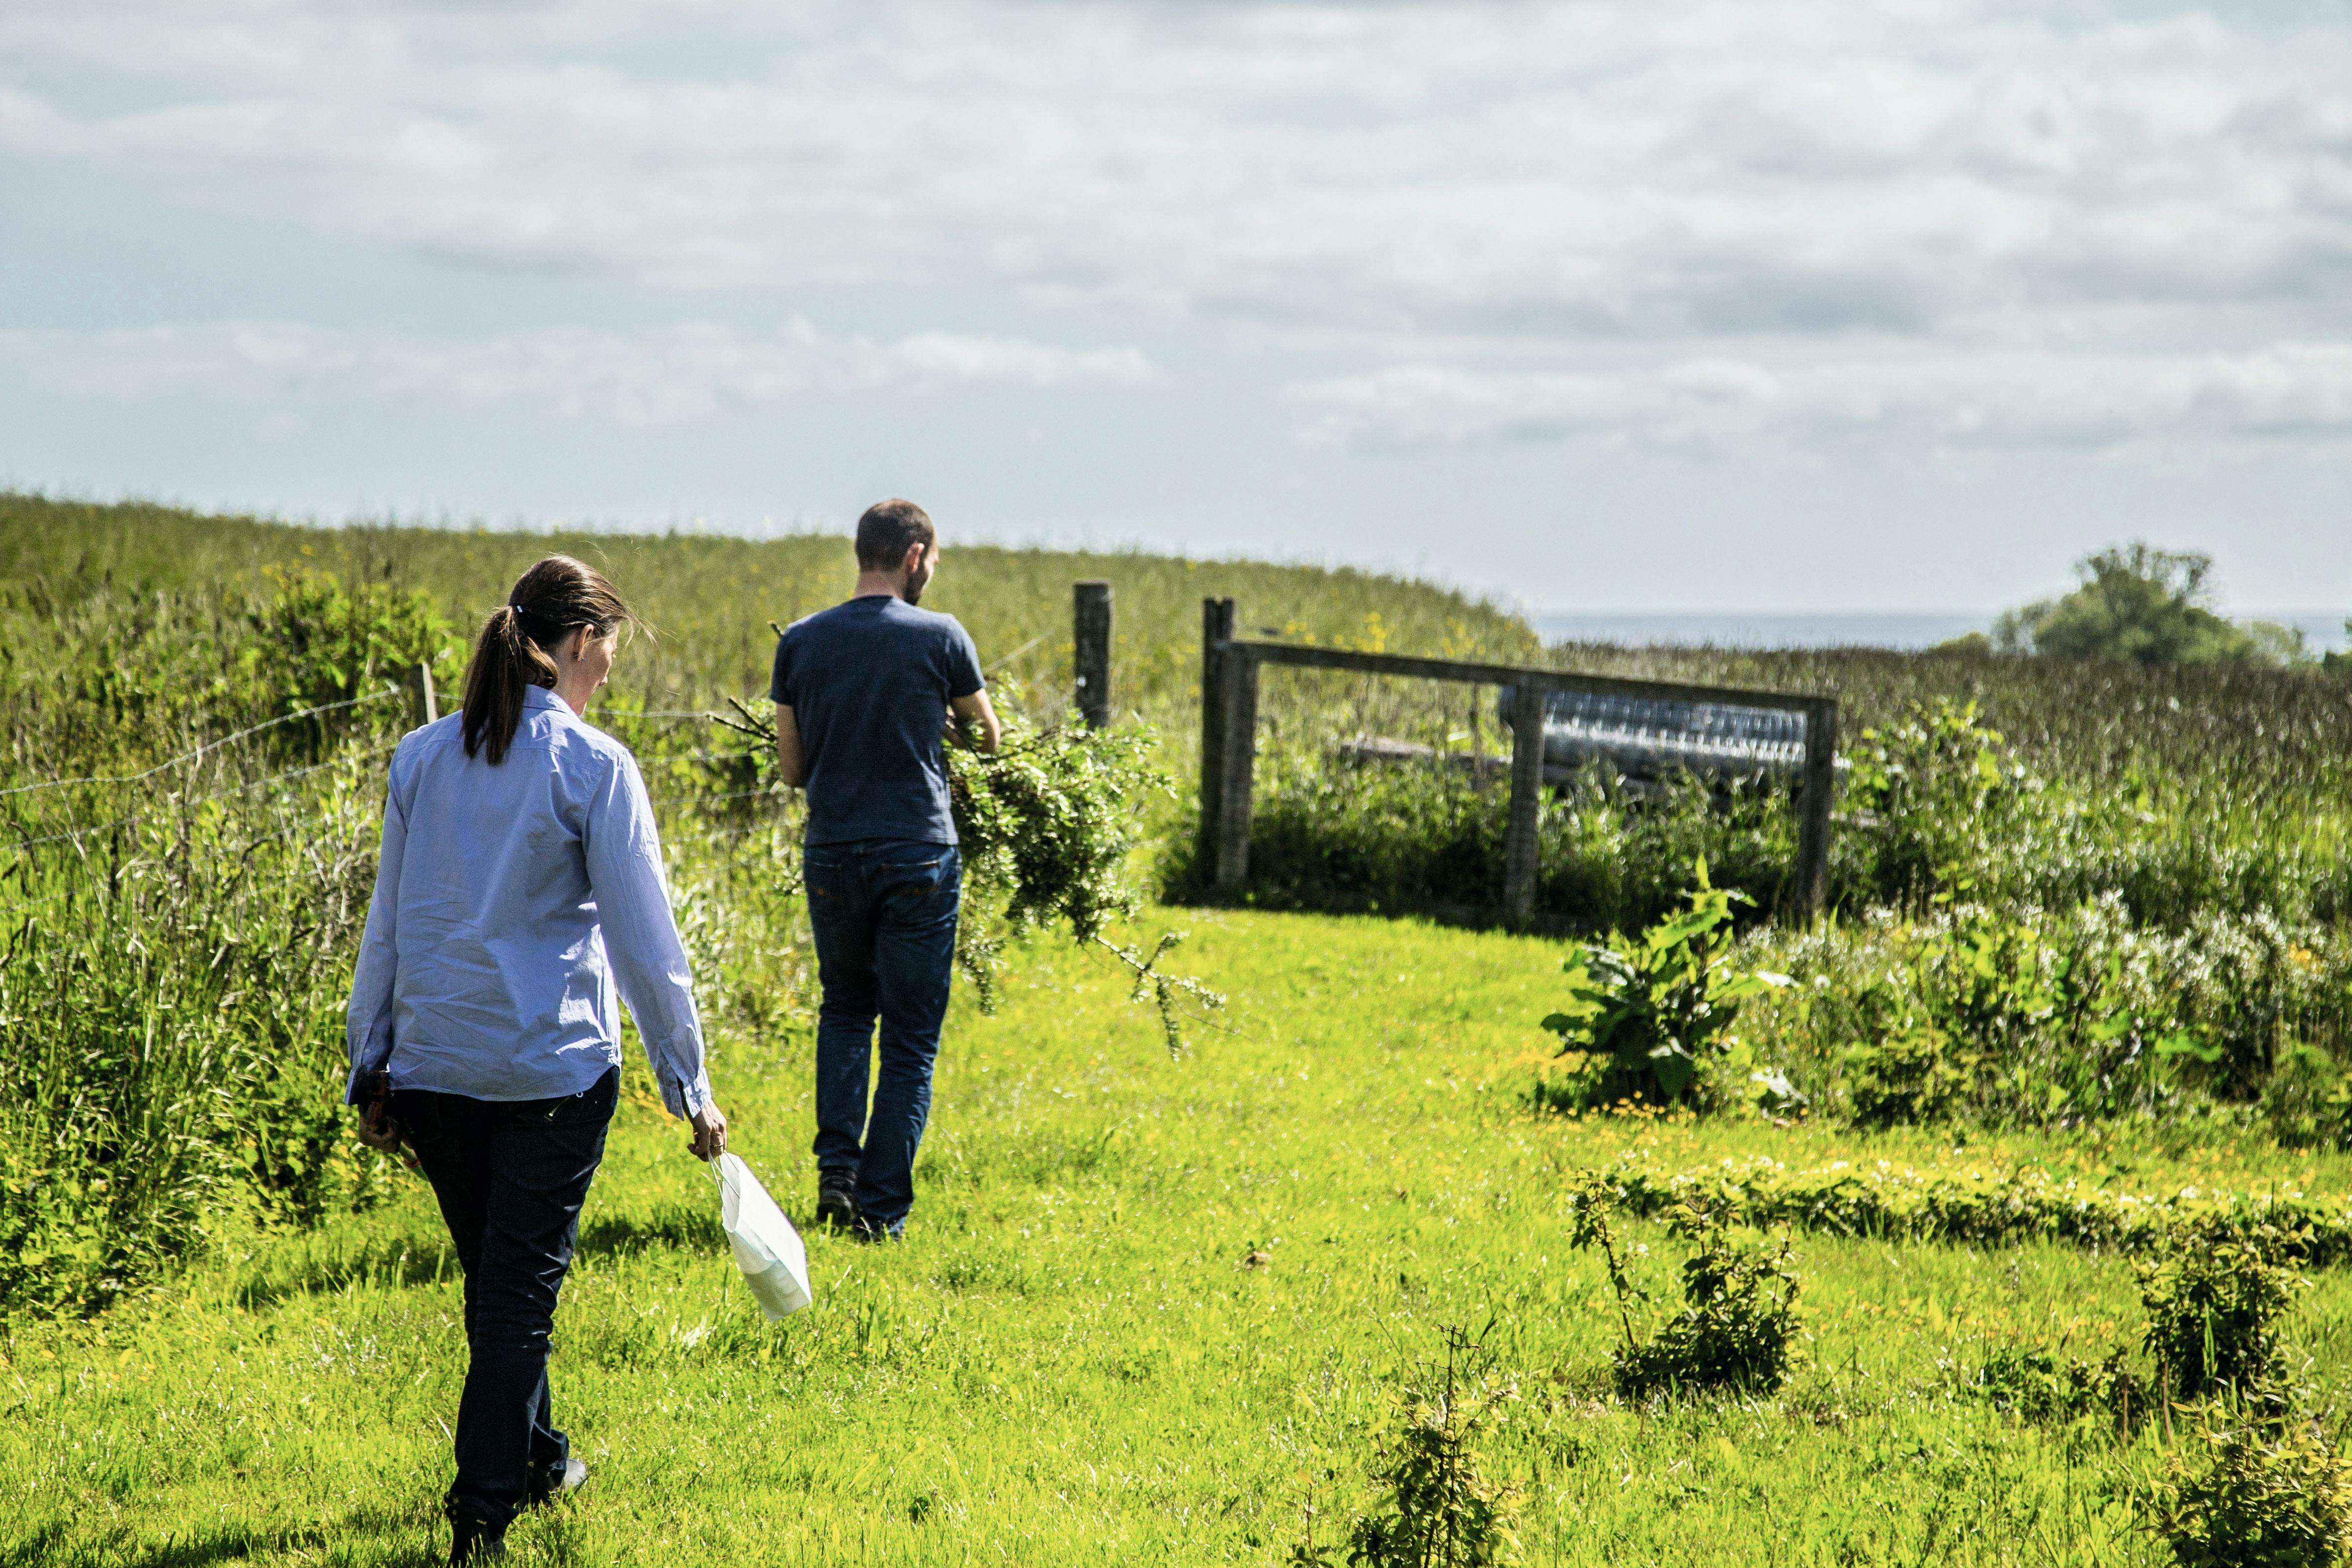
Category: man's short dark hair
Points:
column 888, row 530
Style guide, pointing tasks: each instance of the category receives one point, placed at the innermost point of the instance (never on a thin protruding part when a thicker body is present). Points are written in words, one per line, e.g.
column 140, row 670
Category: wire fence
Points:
column 78, row 835
column 126, row 819
column 207, row 748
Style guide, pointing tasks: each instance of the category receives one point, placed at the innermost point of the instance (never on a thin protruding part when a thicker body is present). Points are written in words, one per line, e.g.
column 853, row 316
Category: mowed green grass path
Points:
column 1072, row 1358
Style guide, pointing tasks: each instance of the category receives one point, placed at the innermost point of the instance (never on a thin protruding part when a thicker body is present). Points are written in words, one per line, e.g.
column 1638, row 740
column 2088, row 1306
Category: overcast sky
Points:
column 1810, row 306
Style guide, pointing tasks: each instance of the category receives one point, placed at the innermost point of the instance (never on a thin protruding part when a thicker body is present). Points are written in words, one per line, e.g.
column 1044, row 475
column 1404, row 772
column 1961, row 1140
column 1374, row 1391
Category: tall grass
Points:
column 198, row 713
column 2155, row 861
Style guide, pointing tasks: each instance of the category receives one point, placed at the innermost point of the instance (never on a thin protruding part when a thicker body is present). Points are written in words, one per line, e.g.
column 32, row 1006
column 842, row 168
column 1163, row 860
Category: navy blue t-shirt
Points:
column 869, row 683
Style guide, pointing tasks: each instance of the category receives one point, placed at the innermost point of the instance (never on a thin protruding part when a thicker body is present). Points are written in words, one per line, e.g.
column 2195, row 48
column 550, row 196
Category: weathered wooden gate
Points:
column 1229, row 682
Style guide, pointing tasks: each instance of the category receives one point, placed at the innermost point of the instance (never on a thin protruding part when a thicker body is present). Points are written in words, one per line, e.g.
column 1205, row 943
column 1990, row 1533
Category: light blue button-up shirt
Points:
column 510, row 903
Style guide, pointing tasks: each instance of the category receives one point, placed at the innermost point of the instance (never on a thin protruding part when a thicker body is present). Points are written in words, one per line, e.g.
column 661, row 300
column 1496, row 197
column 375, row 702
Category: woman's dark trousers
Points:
column 511, row 1176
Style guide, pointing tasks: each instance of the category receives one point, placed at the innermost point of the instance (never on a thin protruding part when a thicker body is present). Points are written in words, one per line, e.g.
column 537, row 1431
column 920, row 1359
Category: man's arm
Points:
column 791, row 766
column 975, row 722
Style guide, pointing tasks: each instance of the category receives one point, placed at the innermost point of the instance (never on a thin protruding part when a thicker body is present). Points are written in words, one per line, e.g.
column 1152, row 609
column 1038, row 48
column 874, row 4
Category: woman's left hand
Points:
column 709, row 1132
column 378, row 1130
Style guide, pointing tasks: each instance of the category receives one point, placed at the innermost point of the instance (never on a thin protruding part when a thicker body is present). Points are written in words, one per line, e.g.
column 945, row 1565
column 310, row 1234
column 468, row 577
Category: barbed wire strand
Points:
column 201, row 750
column 200, row 799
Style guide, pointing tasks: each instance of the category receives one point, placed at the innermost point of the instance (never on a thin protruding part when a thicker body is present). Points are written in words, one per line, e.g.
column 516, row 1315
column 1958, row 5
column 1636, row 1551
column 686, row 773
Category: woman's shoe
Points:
column 473, row 1541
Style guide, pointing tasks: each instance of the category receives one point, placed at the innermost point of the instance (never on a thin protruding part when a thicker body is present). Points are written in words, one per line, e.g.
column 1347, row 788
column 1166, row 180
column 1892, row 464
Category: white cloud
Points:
column 2296, row 393
column 1937, row 216
column 1672, row 169
column 660, row 377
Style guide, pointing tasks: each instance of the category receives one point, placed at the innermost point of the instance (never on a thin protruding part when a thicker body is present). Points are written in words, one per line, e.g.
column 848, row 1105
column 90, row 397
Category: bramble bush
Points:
column 1738, row 1320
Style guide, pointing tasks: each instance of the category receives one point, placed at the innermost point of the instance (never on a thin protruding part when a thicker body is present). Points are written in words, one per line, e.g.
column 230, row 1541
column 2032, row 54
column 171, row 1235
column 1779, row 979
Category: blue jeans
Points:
column 885, row 916
column 510, row 1176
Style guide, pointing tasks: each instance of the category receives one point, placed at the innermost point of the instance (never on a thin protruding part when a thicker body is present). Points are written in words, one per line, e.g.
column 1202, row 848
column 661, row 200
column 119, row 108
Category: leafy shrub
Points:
column 1934, row 785
column 1738, row 1317
column 170, row 1043
column 1435, row 1509
column 1658, row 1009
column 2307, row 1102
column 1906, row 1072
column 2036, row 1017
column 2273, row 1495
column 2251, row 987
column 2147, row 605
column 2043, row 1384
column 315, row 640
column 2213, row 1301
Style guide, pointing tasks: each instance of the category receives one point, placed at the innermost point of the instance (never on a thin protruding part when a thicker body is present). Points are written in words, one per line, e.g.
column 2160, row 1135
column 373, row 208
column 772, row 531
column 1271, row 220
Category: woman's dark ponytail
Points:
column 550, row 601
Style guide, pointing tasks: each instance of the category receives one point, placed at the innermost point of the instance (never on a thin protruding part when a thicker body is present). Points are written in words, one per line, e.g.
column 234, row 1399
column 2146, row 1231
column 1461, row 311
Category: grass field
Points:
column 1070, row 1359
column 1149, row 1309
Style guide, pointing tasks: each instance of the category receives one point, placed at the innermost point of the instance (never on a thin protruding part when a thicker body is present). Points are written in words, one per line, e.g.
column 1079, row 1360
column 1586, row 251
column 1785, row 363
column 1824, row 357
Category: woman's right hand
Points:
column 709, row 1132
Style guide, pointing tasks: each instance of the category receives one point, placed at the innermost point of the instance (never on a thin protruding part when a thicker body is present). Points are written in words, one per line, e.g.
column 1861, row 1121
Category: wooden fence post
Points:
column 1815, row 797
column 1519, row 843
column 1238, row 763
column 428, row 704
column 1090, row 634
column 1216, row 627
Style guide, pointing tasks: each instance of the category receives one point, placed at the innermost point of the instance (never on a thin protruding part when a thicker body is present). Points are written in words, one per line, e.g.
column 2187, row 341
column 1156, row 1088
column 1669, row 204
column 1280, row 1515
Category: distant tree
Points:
column 2147, row 605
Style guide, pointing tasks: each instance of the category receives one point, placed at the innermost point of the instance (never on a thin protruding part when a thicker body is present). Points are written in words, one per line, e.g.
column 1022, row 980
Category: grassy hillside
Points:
column 2086, row 1006
column 710, row 598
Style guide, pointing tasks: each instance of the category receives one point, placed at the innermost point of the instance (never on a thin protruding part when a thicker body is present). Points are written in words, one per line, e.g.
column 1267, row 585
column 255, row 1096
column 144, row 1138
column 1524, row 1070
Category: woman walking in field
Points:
column 520, row 886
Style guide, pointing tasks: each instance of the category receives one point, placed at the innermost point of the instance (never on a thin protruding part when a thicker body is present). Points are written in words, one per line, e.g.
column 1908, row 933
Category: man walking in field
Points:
column 863, row 696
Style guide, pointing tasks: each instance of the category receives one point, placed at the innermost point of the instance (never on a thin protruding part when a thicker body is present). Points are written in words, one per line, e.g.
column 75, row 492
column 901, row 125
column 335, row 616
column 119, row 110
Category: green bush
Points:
column 2042, row 1017
column 171, row 1040
column 1654, row 1013
column 2307, row 1101
column 1906, row 1072
column 1738, row 1318
column 1938, row 787
column 1435, row 1509
column 2147, row 605
column 2213, row 1298
column 2270, row 1496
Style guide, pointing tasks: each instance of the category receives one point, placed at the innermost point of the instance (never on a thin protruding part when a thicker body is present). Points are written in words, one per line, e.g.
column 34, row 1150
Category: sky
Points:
column 1774, row 307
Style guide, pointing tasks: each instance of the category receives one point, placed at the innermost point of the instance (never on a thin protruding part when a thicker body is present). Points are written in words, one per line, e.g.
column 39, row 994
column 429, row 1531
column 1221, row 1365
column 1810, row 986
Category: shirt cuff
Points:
column 685, row 1099
column 358, row 1081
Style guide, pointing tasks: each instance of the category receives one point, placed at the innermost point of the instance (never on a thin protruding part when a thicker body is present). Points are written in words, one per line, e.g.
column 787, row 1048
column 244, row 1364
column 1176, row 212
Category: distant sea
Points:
column 1740, row 629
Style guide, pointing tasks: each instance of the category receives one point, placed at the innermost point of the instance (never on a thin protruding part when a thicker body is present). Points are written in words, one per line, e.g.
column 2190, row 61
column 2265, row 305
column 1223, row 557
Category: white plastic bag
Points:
column 767, row 1248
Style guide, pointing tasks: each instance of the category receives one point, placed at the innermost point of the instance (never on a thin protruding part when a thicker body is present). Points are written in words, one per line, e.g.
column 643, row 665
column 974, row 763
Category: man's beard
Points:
column 913, row 593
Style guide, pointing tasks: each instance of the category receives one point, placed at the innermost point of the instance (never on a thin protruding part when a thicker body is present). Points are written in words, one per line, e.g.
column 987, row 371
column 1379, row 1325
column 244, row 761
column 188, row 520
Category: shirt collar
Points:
column 541, row 697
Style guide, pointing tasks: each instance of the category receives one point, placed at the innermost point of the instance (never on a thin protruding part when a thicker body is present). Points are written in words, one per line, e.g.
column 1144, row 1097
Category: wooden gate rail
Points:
column 1229, row 682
